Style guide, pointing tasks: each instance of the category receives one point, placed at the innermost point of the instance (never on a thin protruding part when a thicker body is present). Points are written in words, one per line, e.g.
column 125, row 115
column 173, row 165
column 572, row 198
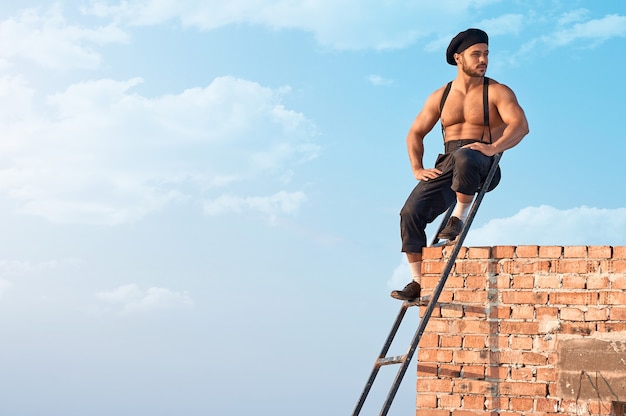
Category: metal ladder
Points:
column 430, row 301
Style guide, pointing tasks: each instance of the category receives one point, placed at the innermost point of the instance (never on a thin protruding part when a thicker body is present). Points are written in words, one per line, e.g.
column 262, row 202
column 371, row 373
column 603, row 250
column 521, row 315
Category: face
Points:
column 473, row 60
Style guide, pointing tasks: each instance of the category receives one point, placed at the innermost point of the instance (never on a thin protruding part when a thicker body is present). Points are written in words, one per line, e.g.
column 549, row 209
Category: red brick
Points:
column 426, row 370
column 470, row 327
column 447, row 401
column 476, row 282
column 432, row 253
column 474, row 341
column 523, row 388
column 431, row 412
column 473, row 371
column 433, row 267
column 435, row 356
column 613, row 298
column 546, row 312
column 596, row 314
column 550, row 252
column 521, row 343
column 598, row 282
column 429, row 341
column 600, row 252
column 426, row 401
column 455, row 282
column 448, row 341
column 458, row 412
column 618, row 282
column 500, row 312
column 524, row 297
column 434, row 385
column 575, row 251
column 520, row 404
column 523, row 312
column 550, row 281
column 523, row 282
column 474, row 402
column 574, row 298
column 498, row 403
column 452, row 311
column 527, row 251
column 494, row 372
column 575, row 266
column 479, row 253
column 618, row 266
column 449, row 370
column 529, row 328
column 619, row 252
column 571, row 314
column 501, row 282
column 547, row 374
column 473, row 387
column 470, row 296
column 517, row 267
column 574, row 281
column 547, row 405
column 617, row 313
column 611, row 326
column 522, row 373
column 470, row 357
column 502, row 252
column 578, row 328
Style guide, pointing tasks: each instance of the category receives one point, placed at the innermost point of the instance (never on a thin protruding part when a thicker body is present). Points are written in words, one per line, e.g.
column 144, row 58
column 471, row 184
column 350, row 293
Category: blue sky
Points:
column 200, row 200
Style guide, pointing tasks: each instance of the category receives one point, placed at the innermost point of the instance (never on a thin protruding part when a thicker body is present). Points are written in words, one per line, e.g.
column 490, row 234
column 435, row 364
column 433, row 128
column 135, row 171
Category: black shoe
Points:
column 410, row 292
column 452, row 229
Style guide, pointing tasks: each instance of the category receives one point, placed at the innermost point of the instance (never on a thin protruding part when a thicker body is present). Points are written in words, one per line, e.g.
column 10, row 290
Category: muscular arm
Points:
column 513, row 117
column 423, row 123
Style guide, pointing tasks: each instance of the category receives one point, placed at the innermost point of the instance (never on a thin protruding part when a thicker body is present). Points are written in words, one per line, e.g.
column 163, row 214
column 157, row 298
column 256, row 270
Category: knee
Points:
column 466, row 159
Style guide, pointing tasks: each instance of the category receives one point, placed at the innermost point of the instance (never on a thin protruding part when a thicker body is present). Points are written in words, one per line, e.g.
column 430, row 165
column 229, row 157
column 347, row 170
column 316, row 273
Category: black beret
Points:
column 463, row 41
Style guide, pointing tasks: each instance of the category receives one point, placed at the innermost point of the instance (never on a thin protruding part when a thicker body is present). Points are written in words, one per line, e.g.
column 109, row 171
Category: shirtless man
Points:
column 470, row 140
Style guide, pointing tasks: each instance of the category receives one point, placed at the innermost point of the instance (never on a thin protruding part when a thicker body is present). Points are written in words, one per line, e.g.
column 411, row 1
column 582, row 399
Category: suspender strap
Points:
column 443, row 101
column 486, row 107
column 446, row 91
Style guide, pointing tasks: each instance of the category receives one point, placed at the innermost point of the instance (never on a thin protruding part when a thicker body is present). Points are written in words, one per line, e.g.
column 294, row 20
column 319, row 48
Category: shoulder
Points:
column 500, row 91
column 434, row 99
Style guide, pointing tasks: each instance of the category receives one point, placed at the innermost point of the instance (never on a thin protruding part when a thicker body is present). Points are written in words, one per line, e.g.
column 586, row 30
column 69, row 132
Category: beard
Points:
column 473, row 72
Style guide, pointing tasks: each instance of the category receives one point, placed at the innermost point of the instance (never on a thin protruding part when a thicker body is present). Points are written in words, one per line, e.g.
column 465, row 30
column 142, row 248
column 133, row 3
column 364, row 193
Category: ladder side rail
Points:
column 381, row 356
column 439, row 288
column 446, row 217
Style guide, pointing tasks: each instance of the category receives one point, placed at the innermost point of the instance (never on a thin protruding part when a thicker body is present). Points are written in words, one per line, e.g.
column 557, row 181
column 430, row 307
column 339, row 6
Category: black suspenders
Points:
column 485, row 106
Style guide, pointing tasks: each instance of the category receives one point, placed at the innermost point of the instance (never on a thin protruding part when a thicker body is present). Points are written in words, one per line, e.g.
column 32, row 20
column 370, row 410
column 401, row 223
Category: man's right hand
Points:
column 426, row 174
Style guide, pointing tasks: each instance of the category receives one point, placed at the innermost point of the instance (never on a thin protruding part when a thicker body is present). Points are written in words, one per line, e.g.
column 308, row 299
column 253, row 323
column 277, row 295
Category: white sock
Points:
column 461, row 210
column 416, row 271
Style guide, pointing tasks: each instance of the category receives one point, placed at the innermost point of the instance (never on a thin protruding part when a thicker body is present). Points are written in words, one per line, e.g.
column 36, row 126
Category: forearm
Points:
column 415, row 148
column 511, row 136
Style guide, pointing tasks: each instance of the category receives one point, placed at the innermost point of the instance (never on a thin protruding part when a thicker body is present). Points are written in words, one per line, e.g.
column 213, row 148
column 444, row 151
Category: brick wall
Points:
column 526, row 330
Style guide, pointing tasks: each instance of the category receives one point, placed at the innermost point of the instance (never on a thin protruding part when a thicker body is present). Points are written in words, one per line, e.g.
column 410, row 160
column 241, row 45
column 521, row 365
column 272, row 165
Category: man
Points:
column 479, row 117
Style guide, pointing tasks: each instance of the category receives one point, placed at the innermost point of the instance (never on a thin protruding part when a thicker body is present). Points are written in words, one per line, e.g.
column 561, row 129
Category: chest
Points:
column 462, row 108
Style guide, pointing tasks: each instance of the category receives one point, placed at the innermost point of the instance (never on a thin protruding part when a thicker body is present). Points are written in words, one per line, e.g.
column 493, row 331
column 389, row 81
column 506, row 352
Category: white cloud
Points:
column 47, row 39
column 5, row 285
column 595, row 31
column 547, row 225
column 377, row 80
column 343, row 24
column 281, row 202
column 543, row 225
column 131, row 299
column 16, row 268
column 101, row 153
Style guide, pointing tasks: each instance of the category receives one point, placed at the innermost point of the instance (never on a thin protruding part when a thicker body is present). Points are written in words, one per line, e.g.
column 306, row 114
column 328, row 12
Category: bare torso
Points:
column 463, row 116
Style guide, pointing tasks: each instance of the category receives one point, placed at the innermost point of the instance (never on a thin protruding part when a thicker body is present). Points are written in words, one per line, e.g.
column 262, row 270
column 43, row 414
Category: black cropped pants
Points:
column 463, row 170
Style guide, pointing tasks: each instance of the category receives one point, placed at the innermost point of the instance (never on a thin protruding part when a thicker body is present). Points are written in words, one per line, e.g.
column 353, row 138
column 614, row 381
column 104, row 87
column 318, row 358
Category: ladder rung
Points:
column 396, row 359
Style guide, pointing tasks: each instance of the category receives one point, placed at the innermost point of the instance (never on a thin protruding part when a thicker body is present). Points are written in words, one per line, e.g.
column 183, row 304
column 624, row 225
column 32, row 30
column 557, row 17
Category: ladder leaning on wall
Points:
column 428, row 301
